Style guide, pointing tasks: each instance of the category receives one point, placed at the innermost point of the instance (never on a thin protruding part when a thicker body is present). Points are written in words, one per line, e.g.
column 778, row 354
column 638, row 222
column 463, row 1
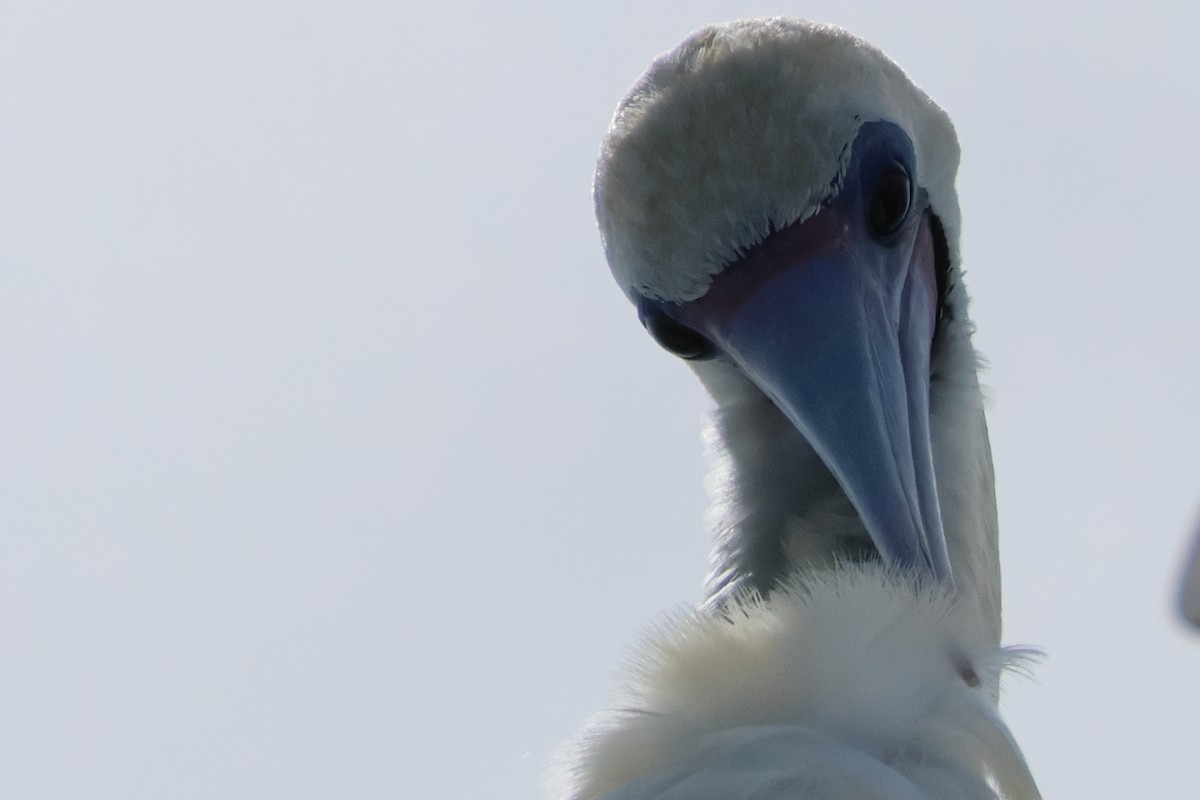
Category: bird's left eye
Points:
column 674, row 337
column 890, row 200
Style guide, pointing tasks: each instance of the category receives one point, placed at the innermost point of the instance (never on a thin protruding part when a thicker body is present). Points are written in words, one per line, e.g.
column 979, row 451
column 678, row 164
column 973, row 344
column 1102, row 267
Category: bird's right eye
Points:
column 676, row 337
column 890, row 201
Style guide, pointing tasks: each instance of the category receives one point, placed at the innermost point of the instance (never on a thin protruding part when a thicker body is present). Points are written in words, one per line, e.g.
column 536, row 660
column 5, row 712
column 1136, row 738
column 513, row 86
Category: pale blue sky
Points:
column 335, row 465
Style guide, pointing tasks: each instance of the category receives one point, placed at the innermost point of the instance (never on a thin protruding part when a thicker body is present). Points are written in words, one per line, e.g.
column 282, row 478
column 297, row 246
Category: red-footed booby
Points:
column 778, row 201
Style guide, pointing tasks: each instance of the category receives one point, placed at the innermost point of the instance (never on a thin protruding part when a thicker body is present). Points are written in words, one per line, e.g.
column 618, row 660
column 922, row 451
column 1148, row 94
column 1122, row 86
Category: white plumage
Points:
column 778, row 200
column 898, row 700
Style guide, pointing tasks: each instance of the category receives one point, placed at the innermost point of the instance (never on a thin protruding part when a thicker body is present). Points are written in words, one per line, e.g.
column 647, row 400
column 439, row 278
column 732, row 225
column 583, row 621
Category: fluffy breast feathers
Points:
column 852, row 680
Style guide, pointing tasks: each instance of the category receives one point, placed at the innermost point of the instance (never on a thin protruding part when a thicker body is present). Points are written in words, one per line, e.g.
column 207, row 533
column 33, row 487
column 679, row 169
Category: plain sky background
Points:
column 335, row 465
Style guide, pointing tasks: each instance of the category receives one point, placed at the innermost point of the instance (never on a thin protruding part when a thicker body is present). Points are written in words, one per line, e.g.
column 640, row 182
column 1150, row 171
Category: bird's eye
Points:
column 890, row 200
column 675, row 337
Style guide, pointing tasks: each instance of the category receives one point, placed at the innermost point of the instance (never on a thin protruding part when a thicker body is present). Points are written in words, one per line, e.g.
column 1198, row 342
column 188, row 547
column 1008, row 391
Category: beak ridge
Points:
column 838, row 334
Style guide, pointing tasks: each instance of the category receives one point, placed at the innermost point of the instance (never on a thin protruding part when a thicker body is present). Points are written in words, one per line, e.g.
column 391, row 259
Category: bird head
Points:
column 777, row 198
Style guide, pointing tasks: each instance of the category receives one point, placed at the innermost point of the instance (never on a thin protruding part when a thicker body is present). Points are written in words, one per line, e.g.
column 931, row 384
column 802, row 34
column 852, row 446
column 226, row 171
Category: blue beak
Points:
column 836, row 328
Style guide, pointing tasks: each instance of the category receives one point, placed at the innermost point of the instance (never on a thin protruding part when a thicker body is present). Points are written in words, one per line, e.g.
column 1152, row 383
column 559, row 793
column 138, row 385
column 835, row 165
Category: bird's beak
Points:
column 836, row 328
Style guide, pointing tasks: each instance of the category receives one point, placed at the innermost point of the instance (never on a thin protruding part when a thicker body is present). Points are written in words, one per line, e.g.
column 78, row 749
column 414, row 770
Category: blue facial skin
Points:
column 876, row 146
column 833, row 318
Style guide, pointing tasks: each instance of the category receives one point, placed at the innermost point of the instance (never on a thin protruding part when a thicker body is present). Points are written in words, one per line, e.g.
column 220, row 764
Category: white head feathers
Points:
column 744, row 128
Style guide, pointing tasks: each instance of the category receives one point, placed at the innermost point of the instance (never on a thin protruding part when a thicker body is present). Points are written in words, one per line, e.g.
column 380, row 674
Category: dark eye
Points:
column 674, row 337
column 890, row 200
